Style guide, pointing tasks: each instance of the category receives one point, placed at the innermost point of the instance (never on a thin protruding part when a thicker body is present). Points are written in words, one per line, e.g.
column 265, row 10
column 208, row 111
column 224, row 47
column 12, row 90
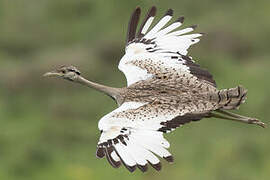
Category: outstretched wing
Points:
column 161, row 47
column 132, row 134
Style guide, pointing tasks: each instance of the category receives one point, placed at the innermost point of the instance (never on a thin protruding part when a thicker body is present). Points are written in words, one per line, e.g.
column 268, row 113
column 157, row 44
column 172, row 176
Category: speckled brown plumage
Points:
column 172, row 88
column 174, row 92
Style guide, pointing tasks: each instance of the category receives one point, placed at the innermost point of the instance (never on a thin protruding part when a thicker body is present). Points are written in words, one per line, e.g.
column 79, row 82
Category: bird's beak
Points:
column 51, row 74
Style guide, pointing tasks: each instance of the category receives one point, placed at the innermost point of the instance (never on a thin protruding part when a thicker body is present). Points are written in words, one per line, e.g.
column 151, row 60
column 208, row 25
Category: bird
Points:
column 165, row 90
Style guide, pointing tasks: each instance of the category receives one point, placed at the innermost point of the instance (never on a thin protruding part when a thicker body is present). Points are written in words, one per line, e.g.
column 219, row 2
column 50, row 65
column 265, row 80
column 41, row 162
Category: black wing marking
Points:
column 197, row 71
column 176, row 122
column 151, row 13
column 106, row 149
column 133, row 23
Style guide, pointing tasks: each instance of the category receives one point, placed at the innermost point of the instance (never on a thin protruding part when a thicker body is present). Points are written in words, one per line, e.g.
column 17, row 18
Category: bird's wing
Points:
column 160, row 47
column 132, row 134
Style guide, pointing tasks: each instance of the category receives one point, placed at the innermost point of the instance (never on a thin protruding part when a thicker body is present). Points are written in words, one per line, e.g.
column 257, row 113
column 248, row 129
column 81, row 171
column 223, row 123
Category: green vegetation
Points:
column 48, row 127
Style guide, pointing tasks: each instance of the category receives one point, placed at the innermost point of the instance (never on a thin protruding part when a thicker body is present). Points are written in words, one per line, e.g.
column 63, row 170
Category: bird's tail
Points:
column 231, row 98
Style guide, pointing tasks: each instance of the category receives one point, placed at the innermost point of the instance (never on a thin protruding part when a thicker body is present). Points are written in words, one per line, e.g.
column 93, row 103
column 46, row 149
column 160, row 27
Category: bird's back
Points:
column 175, row 94
column 184, row 93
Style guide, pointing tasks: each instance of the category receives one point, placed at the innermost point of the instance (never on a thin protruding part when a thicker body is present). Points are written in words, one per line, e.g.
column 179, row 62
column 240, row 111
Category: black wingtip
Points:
column 169, row 159
column 143, row 168
column 156, row 166
column 169, row 12
column 100, row 153
column 152, row 11
column 133, row 23
column 137, row 10
column 112, row 162
column 132, row 168
column 180, row 19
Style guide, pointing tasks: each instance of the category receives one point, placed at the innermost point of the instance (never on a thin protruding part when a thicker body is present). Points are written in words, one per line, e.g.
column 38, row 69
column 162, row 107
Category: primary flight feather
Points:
column 165, row 90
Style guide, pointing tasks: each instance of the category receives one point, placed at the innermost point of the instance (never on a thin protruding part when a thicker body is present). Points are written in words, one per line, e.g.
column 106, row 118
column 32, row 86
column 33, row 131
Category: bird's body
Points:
column 166, row 89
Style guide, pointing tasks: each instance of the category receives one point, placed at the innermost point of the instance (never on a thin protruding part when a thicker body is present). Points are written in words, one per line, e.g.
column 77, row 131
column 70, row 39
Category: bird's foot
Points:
column 257, row 122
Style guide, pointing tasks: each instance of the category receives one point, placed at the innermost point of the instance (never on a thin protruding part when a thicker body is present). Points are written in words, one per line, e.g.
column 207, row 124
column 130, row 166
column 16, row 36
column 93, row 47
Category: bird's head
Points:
column 70, row 73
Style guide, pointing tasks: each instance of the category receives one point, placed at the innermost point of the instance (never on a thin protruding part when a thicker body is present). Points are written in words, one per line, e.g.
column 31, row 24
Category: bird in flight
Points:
column 165, row 90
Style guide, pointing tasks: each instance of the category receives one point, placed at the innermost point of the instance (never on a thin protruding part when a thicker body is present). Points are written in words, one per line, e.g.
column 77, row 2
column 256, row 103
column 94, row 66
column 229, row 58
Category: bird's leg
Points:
column 249, row 119
column 232, row 114
column 236, row 117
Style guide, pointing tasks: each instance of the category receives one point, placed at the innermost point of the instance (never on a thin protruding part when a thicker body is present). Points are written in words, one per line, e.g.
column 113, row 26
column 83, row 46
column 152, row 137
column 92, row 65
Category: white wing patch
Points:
column 132, row 141
column 120, row 118
column 107, row 121
column 134, row 148
column 132, row 134
column 147, row 25
column 132, row 72
column 159, row 42
column 156, row 61
column 152, row 33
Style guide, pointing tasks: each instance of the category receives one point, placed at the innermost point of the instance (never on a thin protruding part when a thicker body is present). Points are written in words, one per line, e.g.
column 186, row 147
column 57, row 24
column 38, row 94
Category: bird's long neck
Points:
column 115, row 93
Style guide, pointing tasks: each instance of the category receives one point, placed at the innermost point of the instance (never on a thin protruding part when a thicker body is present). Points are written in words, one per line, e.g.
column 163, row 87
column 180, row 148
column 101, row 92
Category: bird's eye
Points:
column 63, row 71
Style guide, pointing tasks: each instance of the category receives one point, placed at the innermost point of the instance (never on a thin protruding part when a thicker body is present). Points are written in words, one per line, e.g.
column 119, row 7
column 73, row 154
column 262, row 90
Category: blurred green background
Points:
column 48, row 127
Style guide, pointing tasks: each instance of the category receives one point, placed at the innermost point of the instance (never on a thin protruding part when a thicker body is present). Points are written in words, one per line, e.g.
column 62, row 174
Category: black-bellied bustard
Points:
column 165, row 89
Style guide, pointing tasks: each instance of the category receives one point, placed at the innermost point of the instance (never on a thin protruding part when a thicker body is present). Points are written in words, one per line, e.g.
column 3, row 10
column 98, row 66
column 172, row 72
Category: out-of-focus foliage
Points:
column 48, row 127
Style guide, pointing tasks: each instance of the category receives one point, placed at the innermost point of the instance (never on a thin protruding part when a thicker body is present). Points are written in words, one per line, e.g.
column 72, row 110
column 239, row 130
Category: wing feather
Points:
column 147, row 21
column 159, row 43
column 167, row 17
column 182, row 31
column 132, row 134
column 133, row 23
column 168, row 29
